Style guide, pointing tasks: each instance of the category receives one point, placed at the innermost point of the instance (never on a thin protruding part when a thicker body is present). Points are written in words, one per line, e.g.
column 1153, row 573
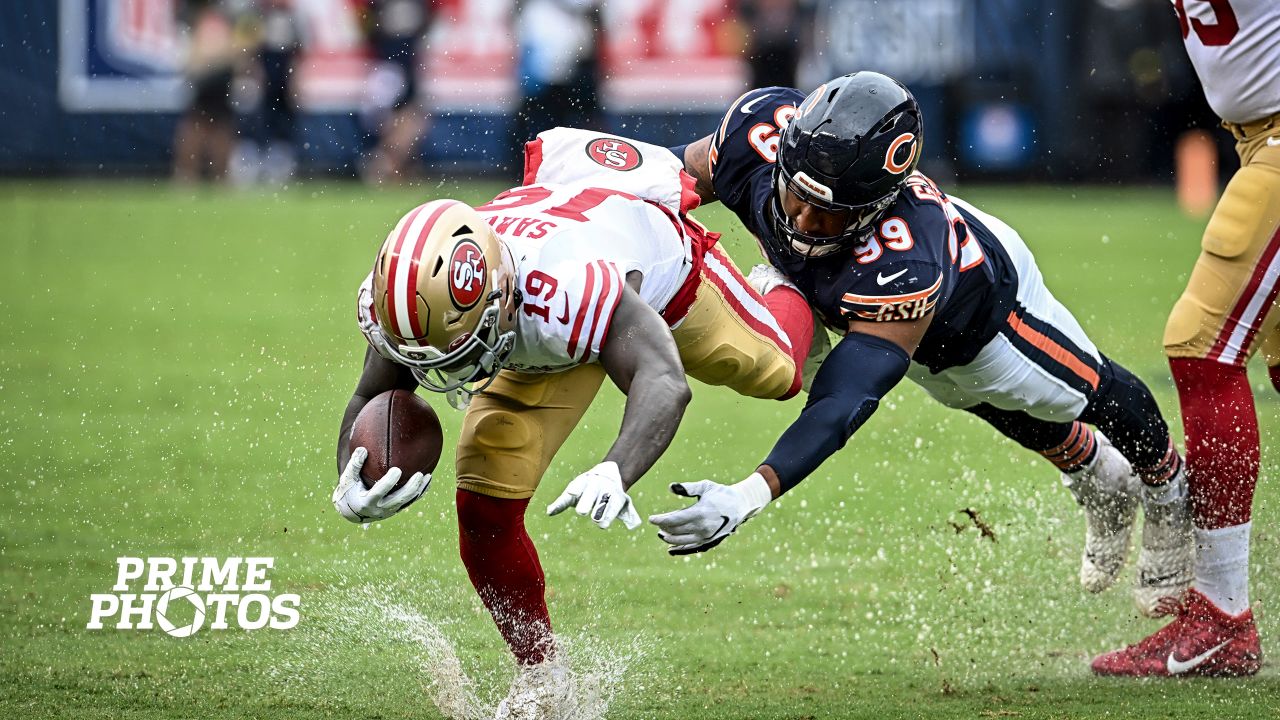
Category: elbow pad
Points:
column 860, row 370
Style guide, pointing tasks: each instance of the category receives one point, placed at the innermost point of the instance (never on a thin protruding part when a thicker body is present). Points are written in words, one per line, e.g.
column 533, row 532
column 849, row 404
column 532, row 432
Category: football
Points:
column 399, row 429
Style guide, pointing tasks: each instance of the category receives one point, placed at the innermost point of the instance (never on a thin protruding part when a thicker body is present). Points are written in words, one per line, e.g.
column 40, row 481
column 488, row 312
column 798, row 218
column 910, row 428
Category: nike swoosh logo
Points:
column 1178, row 667
column 724, row 520
column 747, row 107
column 564, row 318
column 882, row 280
column 1273, row 142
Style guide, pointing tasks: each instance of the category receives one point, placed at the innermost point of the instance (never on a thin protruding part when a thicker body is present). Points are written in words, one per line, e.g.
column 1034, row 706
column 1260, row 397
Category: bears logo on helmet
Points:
column 466, row 275
column 891, row 162
column 614, row 154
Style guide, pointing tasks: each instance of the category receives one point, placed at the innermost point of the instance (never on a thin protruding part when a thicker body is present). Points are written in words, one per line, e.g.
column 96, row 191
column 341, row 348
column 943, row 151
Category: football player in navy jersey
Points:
column 926, row 286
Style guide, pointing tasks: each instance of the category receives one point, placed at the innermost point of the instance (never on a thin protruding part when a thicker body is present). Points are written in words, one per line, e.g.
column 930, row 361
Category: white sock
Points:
column 1166, row 492
column 1222, row 567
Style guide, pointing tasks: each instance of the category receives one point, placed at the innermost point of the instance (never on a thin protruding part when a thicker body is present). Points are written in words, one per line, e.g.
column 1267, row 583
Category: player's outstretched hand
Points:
column 598, row 492
column 359, row 505
column 719, row 511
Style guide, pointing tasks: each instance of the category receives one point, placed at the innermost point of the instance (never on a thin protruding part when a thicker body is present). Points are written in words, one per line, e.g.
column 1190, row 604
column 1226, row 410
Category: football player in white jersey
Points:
column 524, row 305
column 1228, row 311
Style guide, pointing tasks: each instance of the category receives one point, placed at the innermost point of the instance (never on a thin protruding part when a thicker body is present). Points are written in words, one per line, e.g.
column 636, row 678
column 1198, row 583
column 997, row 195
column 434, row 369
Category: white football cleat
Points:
column 1167, row 558
column 1107, row 490
column 539, row 692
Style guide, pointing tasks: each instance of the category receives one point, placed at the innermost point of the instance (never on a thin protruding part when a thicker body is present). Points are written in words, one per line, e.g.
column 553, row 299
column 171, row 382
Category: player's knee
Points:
column 719, row 364
column 1189, row 329
column 757, row 376
column 1061, row 408
column 500, row 430
column 495, row 454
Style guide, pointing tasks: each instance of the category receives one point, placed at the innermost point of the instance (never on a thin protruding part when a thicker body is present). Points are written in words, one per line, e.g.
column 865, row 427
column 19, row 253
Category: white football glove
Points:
column 599, row 492
column 359, row 505
column 720, row 510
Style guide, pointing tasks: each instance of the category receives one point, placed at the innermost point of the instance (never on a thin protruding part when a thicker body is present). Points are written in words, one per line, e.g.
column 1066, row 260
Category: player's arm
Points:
column 868, row 362
column 698, row 164
column 641, row 358
column 379, row 376
column 861, row 369
column 351, row 499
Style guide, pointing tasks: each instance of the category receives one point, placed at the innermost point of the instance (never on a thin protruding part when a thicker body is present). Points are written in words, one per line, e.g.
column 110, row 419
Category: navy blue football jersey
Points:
column 924, row 254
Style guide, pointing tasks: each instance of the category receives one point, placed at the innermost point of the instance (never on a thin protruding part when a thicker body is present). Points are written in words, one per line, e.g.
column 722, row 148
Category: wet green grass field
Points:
column 173, row 366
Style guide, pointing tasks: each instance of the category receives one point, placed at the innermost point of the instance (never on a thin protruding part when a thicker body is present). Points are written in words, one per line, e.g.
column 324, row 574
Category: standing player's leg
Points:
column 1271, row 353
column 1229, row 305
column 734, row 337
column 509, row 435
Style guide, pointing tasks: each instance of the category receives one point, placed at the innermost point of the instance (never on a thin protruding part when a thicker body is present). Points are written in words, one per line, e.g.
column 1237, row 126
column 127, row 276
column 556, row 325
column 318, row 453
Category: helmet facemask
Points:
column 856, row 219
column 476, row 358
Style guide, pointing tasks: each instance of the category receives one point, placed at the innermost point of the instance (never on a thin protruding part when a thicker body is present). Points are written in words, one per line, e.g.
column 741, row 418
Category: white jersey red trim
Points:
column 1235, row 48
column 574, row 245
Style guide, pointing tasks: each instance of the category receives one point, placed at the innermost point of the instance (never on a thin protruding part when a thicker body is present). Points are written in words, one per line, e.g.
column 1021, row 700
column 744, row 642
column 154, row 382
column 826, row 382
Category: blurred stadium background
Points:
column 1055, row 90
column 173, row 362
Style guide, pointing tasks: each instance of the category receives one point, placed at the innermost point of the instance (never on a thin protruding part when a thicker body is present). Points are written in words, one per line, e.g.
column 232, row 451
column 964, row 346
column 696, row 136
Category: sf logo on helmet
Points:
column 614, row 154
column 904, row 146
column 466, row 274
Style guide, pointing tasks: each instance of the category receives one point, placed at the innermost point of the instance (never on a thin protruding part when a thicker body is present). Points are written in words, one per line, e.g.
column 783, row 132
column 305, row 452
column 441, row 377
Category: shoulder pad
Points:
column 747, row 138
column 568, row 156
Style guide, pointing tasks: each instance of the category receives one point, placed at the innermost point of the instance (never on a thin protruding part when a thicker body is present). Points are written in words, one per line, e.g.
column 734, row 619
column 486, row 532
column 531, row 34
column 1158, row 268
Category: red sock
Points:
column 1222, row 440
column 1275, row 377
column 795, row 318
column 504, row 569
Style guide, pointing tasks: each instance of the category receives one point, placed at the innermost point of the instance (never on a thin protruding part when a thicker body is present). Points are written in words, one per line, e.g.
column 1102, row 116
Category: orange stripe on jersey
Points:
column 1061, row 355
column 882, row 299
column 733, row 107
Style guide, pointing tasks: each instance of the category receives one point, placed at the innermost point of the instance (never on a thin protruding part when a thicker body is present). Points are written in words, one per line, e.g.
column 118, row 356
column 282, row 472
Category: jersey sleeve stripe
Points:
column 608, row 284
column 611, row 305
column 532, row 160
column 733, row 108
column 882, row 299
column 576, row 333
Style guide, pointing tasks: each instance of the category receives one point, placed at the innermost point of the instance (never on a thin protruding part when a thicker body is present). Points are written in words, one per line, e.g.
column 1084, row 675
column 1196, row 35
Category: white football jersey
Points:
column 567, row 156
column 1235, row 48
column 574, row 245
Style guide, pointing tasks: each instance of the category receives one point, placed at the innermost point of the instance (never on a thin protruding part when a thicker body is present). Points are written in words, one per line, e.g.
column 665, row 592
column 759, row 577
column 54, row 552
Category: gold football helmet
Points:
column 442, row 283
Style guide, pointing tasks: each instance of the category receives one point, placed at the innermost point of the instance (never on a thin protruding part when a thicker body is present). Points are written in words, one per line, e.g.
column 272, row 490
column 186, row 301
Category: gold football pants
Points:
column 1229, row 308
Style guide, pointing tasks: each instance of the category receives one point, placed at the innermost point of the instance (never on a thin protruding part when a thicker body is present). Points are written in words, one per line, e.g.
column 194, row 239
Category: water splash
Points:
column 590, row 671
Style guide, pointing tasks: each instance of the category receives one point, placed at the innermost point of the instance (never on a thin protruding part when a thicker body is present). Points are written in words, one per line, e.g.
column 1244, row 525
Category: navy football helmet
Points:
column 849, row 150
